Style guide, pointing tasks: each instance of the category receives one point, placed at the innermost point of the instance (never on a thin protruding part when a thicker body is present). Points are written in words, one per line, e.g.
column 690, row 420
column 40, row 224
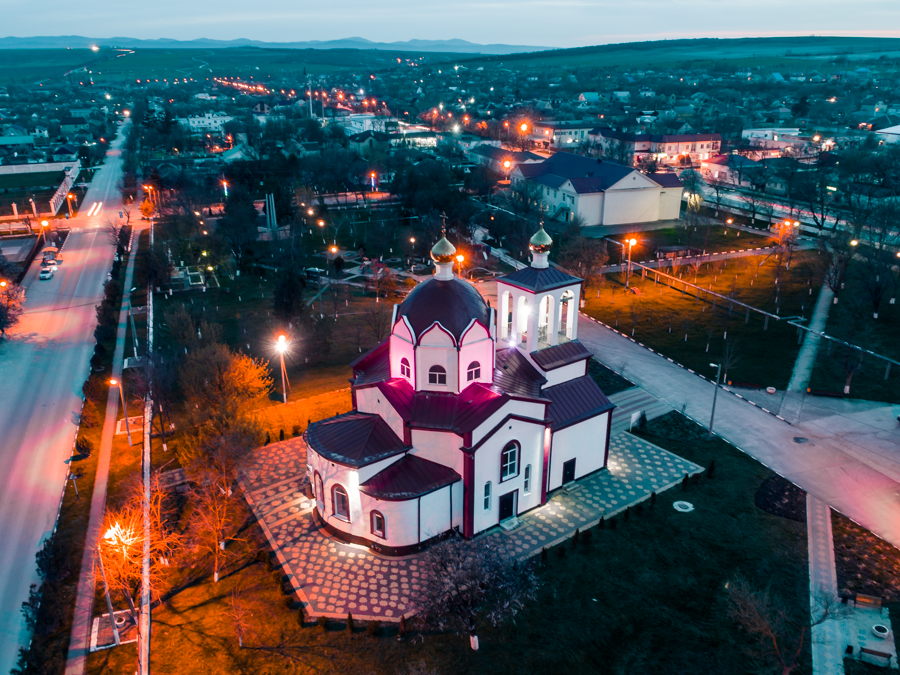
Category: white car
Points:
column 46, row 273
column 49, row 265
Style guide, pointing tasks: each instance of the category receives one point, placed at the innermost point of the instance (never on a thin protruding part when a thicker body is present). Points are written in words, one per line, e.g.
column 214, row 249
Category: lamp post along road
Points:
column 281, row 347
column 631, row 242
column 712, row 416
column 113, row 383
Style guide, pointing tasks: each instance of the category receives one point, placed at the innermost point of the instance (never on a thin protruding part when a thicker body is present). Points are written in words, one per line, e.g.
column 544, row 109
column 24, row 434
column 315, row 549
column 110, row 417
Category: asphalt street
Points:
column 43, row 365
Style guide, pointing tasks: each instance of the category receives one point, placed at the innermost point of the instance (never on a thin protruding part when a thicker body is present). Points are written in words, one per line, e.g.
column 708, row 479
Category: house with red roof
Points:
column 462, row 419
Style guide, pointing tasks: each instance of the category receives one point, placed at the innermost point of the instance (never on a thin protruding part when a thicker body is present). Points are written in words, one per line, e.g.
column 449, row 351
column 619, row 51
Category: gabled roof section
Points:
column 558, row 356
column 514, row 374
column 575, row 401
column 586, row 175
column 408, row 478
column 460, row 413
column 374, row 365
column 354, row 439
column 666, row 180
column 539, row 280
column 451, row 302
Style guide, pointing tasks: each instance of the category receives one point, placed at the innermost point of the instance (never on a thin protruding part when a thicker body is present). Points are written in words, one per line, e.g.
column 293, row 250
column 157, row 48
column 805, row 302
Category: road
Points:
column 43, row 365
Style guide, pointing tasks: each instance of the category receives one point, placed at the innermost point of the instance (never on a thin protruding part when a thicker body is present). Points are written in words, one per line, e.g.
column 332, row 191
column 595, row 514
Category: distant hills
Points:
column 79, row 42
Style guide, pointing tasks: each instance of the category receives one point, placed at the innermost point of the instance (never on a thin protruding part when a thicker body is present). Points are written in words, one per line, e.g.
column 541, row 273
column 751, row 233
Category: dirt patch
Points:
column 865, row 563
column 780, row 497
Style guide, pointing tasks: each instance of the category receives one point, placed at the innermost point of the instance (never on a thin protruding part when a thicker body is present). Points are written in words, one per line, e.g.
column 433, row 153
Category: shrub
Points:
column 642, row 421
column 296, row 430
column 402, row 632
column 711, row 471
column 83, row 447
column 268, row 439
column 349, row 622
column 90, row 418
column 543, row 555
column 586, row 537
column 96, row 362
column 281, row 435
column 93, row 389
column 627, row 512
column 373, row 629
column 322, row 622
column 601, row 524
column 301, row 617
column 639, row 509
column 575, row 538
column 684, row 483
column 652, row 499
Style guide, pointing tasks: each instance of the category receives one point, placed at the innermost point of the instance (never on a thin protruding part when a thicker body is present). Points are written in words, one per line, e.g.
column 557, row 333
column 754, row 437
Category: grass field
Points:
column 714, row 239
column 795, row 52
column 690, row 331
column 868, row 382
column 644, row 597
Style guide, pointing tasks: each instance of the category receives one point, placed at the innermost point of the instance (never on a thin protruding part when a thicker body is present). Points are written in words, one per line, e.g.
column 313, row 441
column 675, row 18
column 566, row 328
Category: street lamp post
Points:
column 459, row 259
column 113, row 383
column 506, row 165
column 631, row 242
column 109, row 607
column 69, row 198
column 45, row 228
column 281, row 347
column 712, row 416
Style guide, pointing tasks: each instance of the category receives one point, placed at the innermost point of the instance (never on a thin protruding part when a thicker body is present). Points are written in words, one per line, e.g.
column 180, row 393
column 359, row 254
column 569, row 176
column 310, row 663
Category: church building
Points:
column 462, row 419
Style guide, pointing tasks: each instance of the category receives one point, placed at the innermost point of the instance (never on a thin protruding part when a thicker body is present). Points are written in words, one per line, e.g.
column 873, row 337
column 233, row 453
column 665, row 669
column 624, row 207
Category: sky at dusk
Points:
column 554, row 23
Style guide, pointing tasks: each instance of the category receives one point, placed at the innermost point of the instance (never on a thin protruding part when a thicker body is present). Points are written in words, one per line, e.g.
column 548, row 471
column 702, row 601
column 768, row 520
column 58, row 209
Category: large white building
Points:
column 462, row 420
column 207, row 123
column 600, row 191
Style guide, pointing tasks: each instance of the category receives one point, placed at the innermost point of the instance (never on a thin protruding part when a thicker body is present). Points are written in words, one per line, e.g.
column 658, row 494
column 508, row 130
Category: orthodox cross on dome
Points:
column 442, row 252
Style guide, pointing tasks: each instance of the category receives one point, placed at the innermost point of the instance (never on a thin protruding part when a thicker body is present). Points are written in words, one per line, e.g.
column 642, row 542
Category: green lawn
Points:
column 868, row 382
column 646, row 596
column 714, row 239
column 661, row 317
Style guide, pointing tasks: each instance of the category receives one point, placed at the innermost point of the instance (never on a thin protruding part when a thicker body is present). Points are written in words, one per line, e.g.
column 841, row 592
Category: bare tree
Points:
column 753, row 203
column 636, row 310
column 12, row 297
column 378, row 319
column 776, row 637
column 731, row 357
column 853, row 326
column 585, row 257
column 835, row 254
column 469, row 580
column 238, row 613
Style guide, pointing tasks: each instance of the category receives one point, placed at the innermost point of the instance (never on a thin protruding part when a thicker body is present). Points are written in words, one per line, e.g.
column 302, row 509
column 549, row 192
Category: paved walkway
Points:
column 848, row 456
column 79, row 642
column 827, row 644
column 332, row 578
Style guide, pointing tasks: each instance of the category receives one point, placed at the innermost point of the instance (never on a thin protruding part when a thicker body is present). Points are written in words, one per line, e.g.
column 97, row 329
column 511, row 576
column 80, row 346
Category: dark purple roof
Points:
column 459, row 413
column 408, row 478
column 354, row 439
column 666, row 179
column 587, row 175
column 514, row 374
column 558, row 356
column 574, row 401
column 374, row 365
column 538, row 280
column 452, row 302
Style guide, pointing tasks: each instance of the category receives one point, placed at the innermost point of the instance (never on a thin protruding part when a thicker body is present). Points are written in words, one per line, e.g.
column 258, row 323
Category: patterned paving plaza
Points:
column 333, row 578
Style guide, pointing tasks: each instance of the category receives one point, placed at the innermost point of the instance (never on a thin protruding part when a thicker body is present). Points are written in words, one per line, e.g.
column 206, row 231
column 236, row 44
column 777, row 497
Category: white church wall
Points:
column 476, row 346
column 401, row 521
column 434, row 514
column 530, row 437
column 514, row 407
column 459, row 494
column 336, row 474
column 371, row 400
column 584, row 442
column 364, row 473
column 441, row 447
column 401, row 347
column 564, row 373
column 437, row 348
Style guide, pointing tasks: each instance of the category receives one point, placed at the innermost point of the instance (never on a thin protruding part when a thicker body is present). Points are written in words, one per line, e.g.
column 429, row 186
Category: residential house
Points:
column 71, row 125
column 207, row 123
column 500, row 160
column 561, row 134
column 369, row 142
column 730, row 169
column 16, row 138
column 65, row 153
column 599, row 191
column 664, row 148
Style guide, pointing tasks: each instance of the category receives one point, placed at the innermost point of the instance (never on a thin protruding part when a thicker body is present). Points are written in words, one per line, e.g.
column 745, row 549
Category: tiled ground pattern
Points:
column 335, row 578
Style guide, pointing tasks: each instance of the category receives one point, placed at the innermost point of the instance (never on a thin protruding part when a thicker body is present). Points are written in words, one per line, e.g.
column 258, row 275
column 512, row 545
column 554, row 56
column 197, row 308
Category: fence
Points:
column 59, row 197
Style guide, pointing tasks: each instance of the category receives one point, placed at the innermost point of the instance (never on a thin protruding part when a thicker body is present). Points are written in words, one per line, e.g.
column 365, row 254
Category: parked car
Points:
column 49, row 264
column 46, row 273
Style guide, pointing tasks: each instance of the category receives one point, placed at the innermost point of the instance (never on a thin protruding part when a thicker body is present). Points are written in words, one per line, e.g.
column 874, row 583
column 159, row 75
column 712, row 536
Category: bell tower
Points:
column 538, row 304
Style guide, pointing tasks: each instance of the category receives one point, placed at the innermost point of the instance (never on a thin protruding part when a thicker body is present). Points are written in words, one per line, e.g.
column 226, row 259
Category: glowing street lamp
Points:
column 113, row 383
column 225, row 187
column 281, row 347
column 631, row 242
column 506, row 165
column 459, row 259
column 69, row 198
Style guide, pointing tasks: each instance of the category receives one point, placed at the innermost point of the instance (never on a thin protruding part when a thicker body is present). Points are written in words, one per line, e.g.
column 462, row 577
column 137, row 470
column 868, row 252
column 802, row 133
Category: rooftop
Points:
column 408, row 478
column 354, row 439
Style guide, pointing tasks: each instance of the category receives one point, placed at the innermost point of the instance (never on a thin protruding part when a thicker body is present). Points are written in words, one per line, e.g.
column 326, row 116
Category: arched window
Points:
column 378, row 528
column 320, row 492
column 404, row 368
column 340, row 504
column 526, row 483
column 437, row 375
column 473, row 372
column 487, row 496
column 509, row 461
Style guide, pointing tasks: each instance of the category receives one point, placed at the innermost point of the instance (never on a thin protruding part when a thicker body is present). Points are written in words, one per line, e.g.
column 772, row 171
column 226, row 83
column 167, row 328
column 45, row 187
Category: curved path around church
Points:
column 333, row 578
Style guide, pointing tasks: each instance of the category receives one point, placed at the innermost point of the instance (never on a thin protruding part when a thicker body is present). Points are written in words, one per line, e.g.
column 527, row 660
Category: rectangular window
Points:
column 509, row 461
column 377, row 524
column 487, row 496
column 526, row 488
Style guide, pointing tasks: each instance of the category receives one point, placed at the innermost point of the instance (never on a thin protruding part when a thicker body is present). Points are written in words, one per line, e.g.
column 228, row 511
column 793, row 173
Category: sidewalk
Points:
column 806, row 359
column 848, row 458
column 827, row 656
column 79, row 641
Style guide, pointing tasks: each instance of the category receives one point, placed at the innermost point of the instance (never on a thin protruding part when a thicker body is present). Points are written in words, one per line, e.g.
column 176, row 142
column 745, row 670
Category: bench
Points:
column 822, row 392
column 881, row 658
column 868, row 602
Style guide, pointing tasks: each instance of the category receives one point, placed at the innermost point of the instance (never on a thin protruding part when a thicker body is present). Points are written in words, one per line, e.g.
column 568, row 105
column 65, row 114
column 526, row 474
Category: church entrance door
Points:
column 508, row 505
column 568, row 471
